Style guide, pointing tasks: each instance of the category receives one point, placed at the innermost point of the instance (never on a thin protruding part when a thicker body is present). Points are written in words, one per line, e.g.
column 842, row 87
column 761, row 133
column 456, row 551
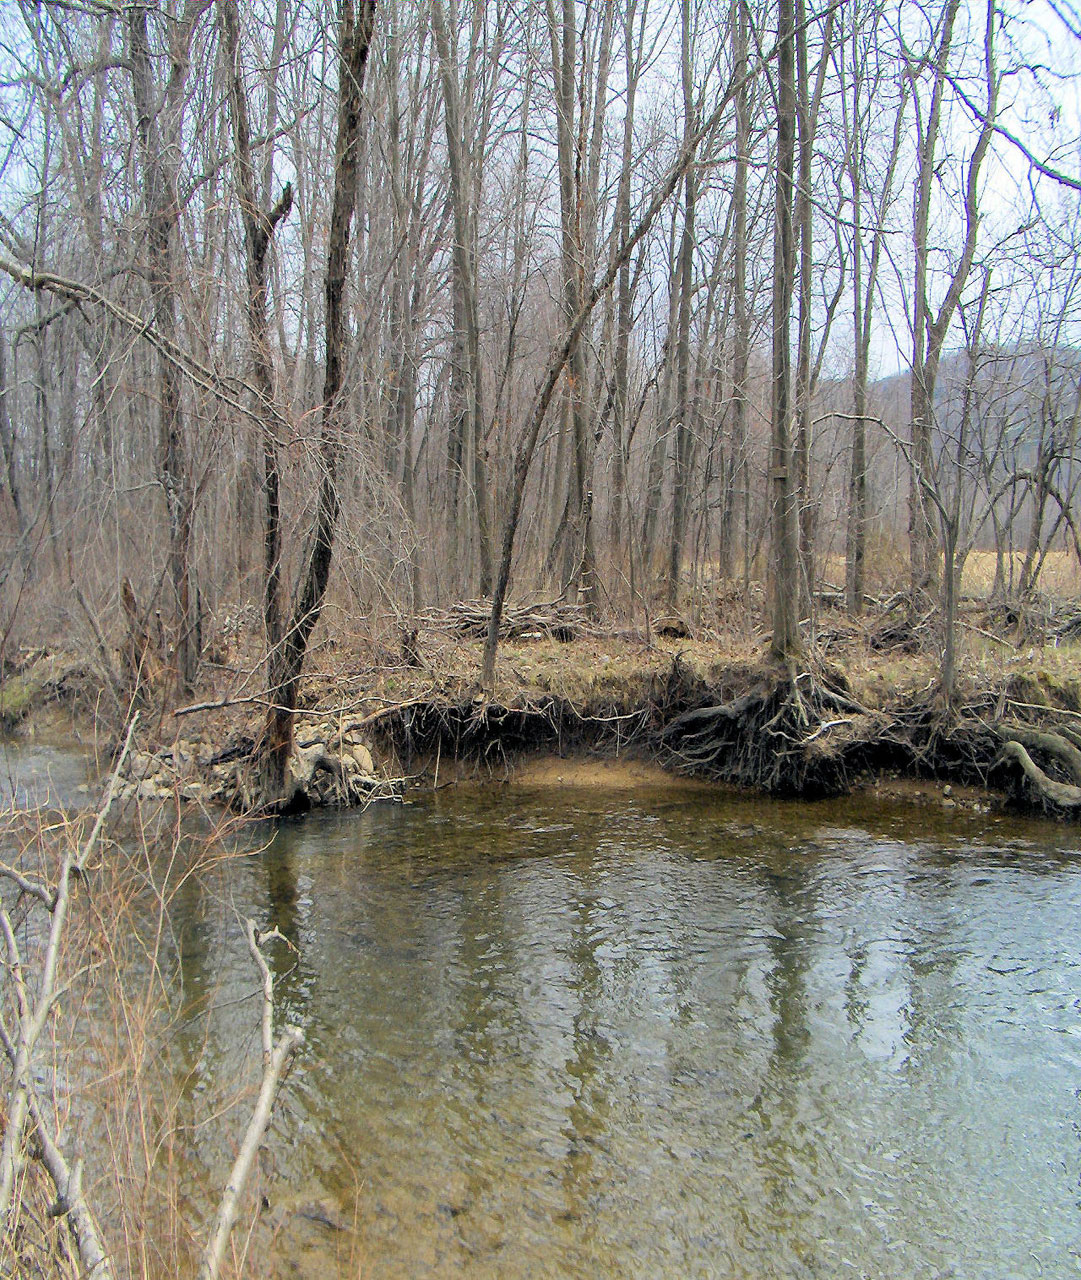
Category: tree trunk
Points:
column 467, row 415
column 924, row 356
column 355, row 26
column 929, row 332
column 624, row 306
column 808, row 102
column 159, row 148
column 785, row 549
column 683, row 424
column 259, row 226
column 563, row 37
column 741, row 336
column 864, row 290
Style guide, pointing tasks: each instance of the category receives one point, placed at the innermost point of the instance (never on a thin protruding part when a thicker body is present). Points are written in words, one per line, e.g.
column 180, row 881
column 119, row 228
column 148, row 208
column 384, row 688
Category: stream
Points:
column 658, row 1033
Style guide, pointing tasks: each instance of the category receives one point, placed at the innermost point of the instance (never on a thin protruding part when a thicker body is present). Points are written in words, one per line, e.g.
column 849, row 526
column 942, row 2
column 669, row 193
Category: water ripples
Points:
column 571, row 1034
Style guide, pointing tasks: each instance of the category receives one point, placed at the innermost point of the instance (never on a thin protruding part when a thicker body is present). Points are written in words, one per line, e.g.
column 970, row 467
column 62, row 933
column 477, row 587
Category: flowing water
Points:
column 659, row 1033
column 590, row 1033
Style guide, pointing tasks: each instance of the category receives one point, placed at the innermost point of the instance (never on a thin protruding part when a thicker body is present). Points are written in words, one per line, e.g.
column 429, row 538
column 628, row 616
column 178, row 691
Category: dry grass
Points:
column 888, row 572
column 1059, row 578
column 105, row 1073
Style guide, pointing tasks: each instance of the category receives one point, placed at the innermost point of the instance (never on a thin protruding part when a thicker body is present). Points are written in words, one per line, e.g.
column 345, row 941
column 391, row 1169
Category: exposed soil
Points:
column 858, row 712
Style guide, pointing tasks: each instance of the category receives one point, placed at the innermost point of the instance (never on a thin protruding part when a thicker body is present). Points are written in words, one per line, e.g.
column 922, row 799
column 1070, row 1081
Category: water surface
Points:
column 43, row 775
column 592, row 1033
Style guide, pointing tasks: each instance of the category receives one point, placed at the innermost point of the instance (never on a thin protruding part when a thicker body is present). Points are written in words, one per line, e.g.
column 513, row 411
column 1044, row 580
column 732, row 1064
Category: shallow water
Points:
column 593, row 1033
column 43, row 774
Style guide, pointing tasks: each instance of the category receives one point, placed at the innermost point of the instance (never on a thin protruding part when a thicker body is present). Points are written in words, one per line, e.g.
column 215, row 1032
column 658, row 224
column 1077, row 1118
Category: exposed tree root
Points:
column 1058, row 750
column 797, row 736
column 490, row 734
column 790, row 735
column 780, row 732
column 804, row 736
column 1053, row 795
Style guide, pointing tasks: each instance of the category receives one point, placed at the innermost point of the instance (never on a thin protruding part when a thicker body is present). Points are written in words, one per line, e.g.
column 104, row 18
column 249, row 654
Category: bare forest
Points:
column 388, row 388
column 318, row 320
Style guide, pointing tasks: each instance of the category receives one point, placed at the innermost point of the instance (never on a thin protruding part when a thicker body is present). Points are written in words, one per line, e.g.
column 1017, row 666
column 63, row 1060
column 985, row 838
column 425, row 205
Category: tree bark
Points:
column 784, row 583
column 356, row 23
column 259, row 226
column 683, row 424
column 929, row 331
column 467, row 414
column 808, row 101
column 159, row 147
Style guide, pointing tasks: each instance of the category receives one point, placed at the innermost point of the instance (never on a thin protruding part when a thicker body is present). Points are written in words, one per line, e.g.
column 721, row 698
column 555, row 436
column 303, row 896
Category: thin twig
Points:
column 275, row 1060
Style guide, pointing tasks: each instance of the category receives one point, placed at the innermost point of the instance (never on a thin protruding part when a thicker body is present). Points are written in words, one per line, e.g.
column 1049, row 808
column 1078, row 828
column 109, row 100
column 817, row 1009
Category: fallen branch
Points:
column 824, row 727
column 382, row 714
column 220, row 703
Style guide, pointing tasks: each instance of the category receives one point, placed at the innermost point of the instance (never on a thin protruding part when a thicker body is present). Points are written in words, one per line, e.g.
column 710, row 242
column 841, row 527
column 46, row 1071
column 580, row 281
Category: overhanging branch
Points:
column 78, row 294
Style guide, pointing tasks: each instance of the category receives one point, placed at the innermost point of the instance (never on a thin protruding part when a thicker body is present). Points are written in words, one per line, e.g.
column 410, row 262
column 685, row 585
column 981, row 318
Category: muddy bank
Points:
column 717, row 714
column 807, row 736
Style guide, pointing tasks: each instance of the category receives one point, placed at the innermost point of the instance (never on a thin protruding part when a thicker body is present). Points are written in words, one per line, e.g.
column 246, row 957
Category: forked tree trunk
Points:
column 259, row 226
column 563, row 38
column 929, row 331
column 864, row 292
column 467, row 412
column 685, row 275
column 163, row 215
column 741, row 336
column 808, row 102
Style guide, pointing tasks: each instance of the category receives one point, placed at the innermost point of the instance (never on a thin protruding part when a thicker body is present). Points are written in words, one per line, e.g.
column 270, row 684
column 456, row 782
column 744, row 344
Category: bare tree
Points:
column 259, row 225
column 159, row 110
column 467, row 410
column 356, row 22
column 862, row 95
column 784, row 589
column 930, row 326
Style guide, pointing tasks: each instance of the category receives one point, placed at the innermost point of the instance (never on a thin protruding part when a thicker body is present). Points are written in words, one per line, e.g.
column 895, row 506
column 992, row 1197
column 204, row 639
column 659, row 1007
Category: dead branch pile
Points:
column 1033, row 620
column 557, row 620
column 895, row 630
column 1068, row 625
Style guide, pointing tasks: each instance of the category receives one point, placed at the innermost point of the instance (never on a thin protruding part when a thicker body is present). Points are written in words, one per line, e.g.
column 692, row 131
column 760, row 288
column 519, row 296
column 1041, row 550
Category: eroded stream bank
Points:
column 1013, row 732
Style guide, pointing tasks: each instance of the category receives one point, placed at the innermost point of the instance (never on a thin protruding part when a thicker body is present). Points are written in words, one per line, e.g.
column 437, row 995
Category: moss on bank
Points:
column 16, row 700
